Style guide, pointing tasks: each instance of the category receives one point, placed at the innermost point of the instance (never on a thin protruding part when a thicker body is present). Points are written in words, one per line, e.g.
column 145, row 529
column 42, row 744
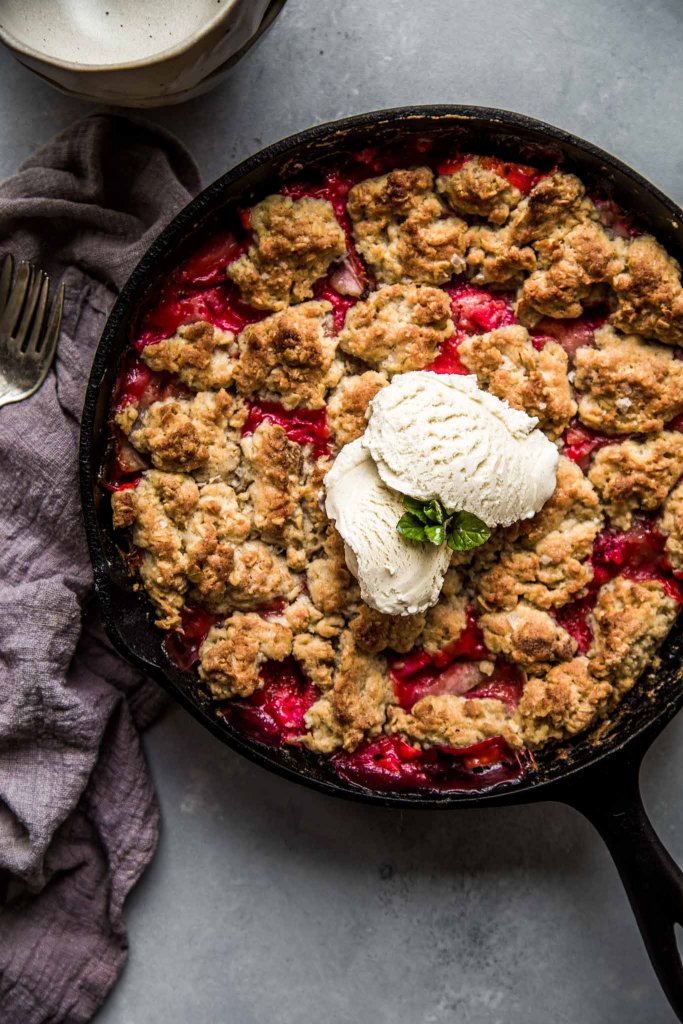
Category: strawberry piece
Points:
column 182, row 646
column 219, row 305
column 580, row 442
column 207, row 265
column 476, row 310
column 274, row 714
column 305, row 426
column 570, row 334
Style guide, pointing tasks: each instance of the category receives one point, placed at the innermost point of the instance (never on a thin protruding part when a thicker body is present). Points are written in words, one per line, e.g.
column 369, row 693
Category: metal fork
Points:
column 28, row 338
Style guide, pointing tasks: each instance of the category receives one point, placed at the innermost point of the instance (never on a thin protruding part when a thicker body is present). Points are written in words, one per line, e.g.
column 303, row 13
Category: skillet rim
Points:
column 664, row 705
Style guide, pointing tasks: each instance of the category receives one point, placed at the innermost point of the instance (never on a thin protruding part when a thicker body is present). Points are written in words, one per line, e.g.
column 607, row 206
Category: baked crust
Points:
column 672, row 524
column 398, row 328
column 544, row 560
column 236, row 524
column 507, row 364
column 199, row 354
column 649, row 293
column 476, row 188
column 294, row 243
column 636, row 475
column 627, row 385
column 288, row 357
column 402, row 230
column 348, row 404
column 454, row 721
column 574, row 270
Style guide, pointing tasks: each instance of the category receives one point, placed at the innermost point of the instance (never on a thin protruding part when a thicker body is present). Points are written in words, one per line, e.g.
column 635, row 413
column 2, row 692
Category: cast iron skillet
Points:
column 597, row 774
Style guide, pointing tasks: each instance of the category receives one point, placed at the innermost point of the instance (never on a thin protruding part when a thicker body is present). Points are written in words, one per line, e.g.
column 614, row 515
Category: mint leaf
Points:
column 416, row 507
column 410, row 527
column 467, row 531
column 431, row 521
column 435, row 512
column 435, row 534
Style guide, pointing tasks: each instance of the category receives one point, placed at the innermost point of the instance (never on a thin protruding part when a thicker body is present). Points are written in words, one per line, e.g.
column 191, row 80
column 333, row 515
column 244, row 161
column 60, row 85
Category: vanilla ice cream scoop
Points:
column 396, row 576
column 440, row 436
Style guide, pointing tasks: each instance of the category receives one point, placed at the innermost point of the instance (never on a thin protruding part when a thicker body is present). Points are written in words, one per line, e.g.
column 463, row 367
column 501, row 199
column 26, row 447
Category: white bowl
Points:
column 133, row 53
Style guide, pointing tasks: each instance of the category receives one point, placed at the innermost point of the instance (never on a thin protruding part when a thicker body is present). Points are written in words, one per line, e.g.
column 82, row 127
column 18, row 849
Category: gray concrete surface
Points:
column 269, row 904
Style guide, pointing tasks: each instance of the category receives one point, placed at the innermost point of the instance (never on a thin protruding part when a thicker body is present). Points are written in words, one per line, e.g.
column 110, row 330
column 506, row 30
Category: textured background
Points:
column 269, row 904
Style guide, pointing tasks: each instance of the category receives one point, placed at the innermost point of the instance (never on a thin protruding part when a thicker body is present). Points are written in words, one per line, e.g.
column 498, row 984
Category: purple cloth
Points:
column 78, row 816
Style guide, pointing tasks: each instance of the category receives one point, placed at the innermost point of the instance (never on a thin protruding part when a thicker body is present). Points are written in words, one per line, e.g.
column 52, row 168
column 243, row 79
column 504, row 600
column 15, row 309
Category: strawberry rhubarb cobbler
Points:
column 396, row 456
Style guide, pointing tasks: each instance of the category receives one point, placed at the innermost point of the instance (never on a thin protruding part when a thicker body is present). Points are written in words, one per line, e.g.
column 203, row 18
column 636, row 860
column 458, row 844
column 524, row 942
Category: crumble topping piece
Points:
column 555, row 204
column 636, row 474
column 477, row 189
column 630, row 618
column 507, row 364
column 672, row 524
column 316, row 657
column 375, row 632
column 215, row 527
column 258, row 577
column 454, row 721
column 312, row 495
column 527, row 636
column 331, row 586
column 574, row 270
column 289, row 356
column 562, row 703
column 199, row 354
column 446, row 620
column 294, row 243
column 196, row 434
column 233, row 653
column 275, row 465
column 398, row 328
column 649, row 293
column 348, row 404
column 494, row 259
column 544, row 561
column 158, row 509
column 628, row 385
column 401, row 229
column 356, row 706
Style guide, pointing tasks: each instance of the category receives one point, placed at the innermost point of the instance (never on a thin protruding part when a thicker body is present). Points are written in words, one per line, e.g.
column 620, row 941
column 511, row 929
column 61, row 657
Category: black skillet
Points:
column 598, row 774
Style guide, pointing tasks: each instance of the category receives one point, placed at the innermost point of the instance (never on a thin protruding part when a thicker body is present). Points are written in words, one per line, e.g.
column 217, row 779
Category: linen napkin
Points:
column 78, row 817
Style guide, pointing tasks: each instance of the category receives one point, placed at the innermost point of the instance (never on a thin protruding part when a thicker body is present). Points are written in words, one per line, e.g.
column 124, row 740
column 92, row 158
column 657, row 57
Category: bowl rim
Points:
column 16, row 44
column 659, row 709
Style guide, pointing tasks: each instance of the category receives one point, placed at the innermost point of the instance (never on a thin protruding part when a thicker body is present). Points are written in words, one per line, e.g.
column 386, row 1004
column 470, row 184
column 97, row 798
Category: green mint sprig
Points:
column 432, row 522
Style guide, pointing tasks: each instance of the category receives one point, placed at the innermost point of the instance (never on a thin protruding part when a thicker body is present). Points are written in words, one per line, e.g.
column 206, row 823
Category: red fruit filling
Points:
column 275, row 713
column 182, row 646
column 455, row 670
column 617, row 220
column 219, row 305
column 341, row 304
column 207, row 265
column 390, row 764
column 198, row 290
column 305, row 426
column 570, row 334
column 579, row 442
column 475, row 311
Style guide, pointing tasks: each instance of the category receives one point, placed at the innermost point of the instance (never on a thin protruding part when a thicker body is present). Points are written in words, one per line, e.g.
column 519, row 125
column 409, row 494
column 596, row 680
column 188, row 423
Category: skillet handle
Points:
column 609, row 796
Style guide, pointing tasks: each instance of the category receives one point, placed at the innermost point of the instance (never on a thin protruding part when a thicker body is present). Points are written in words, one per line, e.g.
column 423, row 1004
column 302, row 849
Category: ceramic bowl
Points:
column 133, row 54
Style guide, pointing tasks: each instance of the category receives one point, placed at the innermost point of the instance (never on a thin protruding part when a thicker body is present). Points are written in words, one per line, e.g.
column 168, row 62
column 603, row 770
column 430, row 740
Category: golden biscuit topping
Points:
column 226, row 514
